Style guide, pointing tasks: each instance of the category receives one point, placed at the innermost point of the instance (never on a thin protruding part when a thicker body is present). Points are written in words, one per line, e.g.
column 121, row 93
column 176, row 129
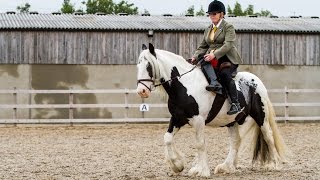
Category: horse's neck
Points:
column 190, row 77
column 169, row 60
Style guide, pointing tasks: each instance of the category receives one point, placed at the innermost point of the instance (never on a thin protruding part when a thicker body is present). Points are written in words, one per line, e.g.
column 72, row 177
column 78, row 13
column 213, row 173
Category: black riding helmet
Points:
column 216, row 6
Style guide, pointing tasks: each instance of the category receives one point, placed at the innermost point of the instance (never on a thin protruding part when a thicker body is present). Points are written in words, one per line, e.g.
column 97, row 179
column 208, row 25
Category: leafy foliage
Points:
column 191, row 11
column 109, row 7
column 67, row 7
column 24, row 8
column 264, row 13
column 201, row 12
column 237, row 10
column 105, row 6
column 124, row 7
column 101, row 6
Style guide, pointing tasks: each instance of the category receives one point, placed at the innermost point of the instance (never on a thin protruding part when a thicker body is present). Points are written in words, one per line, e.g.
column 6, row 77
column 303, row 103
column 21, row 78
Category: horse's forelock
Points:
column 151, row 62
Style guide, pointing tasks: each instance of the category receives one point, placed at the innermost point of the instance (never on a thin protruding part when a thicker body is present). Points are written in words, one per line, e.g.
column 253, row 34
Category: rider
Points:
column 218, row 46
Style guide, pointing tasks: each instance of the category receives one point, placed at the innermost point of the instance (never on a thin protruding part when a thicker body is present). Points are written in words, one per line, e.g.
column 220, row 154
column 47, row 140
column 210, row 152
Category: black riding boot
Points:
column 214, row 84
column 235, row 105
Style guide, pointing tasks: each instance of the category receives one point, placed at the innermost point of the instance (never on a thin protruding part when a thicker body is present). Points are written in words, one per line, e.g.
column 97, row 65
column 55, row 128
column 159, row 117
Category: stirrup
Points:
column 234, row 111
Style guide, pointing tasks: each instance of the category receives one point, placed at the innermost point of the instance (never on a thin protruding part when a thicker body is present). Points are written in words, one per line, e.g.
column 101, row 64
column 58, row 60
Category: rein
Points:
column 176, row 77
column 171, row 79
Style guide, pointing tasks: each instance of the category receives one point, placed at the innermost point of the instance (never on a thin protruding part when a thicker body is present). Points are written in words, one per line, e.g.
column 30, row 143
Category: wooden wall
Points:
column 64, row 47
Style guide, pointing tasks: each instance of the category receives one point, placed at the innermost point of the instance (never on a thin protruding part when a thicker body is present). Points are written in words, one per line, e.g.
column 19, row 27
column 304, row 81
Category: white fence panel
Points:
column 71, row 106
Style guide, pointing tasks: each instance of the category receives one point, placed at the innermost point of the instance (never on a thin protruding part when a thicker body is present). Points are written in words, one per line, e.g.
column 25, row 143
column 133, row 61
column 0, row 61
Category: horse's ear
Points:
column 144, row 47
column 151, row 49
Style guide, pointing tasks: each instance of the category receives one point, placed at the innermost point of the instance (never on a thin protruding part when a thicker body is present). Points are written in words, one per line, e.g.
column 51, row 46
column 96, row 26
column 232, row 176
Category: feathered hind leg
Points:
column 270, row 147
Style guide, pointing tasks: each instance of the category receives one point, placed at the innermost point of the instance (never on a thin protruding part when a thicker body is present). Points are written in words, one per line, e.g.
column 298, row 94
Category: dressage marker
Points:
column 189, row 103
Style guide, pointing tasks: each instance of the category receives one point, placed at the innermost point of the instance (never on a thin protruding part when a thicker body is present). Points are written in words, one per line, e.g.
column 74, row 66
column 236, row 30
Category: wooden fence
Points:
column 126, row 105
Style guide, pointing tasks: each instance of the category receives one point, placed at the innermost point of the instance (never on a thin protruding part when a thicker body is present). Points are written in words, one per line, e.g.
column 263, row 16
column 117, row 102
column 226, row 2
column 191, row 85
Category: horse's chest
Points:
column 180, row 103
column 186, row 107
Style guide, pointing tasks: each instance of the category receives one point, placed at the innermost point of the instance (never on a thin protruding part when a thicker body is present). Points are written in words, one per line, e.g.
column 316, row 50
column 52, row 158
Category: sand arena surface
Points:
column 136, row 151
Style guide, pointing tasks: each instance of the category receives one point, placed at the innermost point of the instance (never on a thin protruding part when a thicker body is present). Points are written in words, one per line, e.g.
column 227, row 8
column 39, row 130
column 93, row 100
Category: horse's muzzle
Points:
column 144, row 93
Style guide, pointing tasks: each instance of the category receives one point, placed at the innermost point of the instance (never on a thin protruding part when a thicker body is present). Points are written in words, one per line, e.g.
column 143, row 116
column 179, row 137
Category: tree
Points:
column 109, row 7
column 237, row 10
column 200, row 12
column 105, row 6
column 249, row 10
column 190, row 10
column 124, row 7
column 67, row 7
column 229, row 10
column 264, row 13
column 24, row 8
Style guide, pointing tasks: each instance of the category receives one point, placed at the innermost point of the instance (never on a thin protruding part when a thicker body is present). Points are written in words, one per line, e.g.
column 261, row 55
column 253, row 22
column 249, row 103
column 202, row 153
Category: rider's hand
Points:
column 209, row 57
column 193, row 60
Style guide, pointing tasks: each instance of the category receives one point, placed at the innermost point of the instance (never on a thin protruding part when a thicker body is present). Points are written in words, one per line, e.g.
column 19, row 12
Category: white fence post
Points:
column 70, row 107
column 15, row 101
column 126, row 113
column 286, row 107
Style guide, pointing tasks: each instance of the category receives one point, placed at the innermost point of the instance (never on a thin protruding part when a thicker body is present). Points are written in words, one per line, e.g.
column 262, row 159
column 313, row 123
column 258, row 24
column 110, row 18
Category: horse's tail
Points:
column 261, row 150
column 278, row 140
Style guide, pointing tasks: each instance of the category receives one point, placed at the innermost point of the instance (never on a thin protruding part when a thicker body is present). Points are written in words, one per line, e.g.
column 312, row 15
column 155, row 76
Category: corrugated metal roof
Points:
column 157, row 23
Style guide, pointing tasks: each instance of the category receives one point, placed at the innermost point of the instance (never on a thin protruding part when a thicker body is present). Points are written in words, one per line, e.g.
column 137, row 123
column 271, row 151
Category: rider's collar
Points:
column 217, row 24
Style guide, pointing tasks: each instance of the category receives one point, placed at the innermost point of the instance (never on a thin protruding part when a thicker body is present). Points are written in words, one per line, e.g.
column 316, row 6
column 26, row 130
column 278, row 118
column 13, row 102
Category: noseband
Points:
column 149, row 80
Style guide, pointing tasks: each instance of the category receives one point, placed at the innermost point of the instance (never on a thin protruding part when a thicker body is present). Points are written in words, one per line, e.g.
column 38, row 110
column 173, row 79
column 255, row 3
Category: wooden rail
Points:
column 286, row 104
column 71, row 106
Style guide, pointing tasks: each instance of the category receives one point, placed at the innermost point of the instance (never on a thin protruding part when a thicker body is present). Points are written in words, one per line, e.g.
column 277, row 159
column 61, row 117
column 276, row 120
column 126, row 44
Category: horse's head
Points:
column 147, row 71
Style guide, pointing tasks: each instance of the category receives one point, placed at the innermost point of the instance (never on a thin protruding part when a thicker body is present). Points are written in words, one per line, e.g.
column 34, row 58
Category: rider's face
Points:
column 215, row 17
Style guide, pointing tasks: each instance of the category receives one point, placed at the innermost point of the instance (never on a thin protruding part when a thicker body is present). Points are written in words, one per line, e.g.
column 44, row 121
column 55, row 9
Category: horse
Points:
column 189, row 103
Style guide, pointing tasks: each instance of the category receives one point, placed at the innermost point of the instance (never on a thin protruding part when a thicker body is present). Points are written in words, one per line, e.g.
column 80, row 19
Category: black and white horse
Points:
column 190, row 103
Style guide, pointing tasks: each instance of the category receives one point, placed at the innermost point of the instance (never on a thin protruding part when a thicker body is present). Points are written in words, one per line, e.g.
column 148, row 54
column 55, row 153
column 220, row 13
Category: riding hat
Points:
column 216, row 6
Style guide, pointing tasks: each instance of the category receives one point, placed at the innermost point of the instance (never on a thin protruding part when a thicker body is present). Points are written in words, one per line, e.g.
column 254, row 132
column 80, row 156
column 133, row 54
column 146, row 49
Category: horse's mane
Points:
column 169, row 58
column 173, row 57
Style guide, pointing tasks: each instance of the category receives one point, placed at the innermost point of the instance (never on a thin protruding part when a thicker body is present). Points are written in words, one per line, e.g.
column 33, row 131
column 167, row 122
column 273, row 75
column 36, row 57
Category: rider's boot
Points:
column 233, row 93
column 214, row 84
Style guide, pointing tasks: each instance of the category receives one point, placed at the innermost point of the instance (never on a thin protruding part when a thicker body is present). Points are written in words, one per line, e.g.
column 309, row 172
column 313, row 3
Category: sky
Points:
column 178, row 7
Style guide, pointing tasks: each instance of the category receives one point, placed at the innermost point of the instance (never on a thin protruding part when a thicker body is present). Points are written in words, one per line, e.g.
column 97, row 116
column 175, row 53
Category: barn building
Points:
column 115, row 39
column 86, row 51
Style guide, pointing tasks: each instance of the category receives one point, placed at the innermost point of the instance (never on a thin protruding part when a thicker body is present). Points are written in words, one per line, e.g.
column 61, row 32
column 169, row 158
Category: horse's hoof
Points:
column 270, row 167
column 172, row 174
column 177, row 169
column 176, row 165
column 199, row 173
column 224, row 169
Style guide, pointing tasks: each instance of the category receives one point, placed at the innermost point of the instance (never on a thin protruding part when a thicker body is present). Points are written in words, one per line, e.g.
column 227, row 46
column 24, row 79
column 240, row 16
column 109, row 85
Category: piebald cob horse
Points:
column 190, row 103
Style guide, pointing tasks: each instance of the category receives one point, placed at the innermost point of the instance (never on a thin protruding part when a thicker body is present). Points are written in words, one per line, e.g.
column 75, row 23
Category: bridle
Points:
column 153, row 85
column 149, row 80
column 155, row 74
